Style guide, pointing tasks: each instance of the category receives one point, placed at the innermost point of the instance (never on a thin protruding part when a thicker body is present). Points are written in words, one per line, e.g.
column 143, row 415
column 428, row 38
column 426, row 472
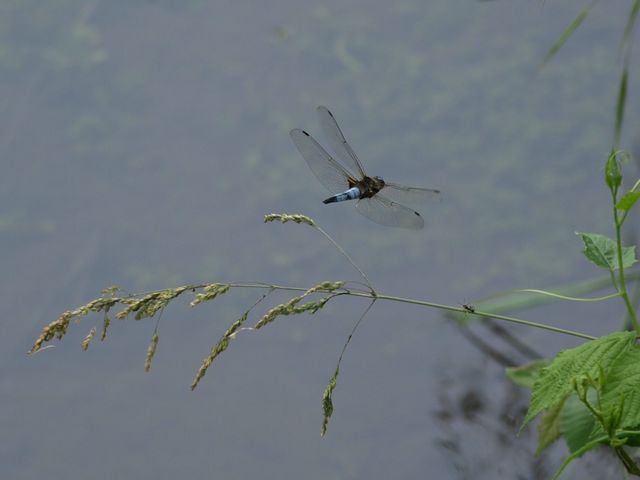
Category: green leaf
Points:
column 577, row 423
column 555, row 381
column 565, row 35
column 632, row 440
column 620, row 399
column 589, row 446
column 621, row 102
column 549, row 427
column 633, row 15
column 603, row 252
column 628, row 200
column 525, row 375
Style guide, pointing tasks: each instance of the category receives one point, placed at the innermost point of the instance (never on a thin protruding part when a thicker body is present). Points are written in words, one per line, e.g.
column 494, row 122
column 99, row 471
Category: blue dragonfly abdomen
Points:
column 351, row 194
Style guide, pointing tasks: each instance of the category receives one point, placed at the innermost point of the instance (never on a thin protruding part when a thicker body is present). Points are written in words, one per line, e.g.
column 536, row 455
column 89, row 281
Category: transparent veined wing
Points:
column 329, row 172
column 338, row 143
column 411, row 195
column 387, row 212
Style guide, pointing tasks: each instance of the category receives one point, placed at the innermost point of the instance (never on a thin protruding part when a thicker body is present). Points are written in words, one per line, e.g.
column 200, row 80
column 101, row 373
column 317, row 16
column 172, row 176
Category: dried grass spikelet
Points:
column 209, row 292
column 105, row 326
column 292, row 307
column 218, row 348
column 58, row 328
column 150, row 304
column 327, row 402
column 87, row 340
column 151, row 351
column 284, row 218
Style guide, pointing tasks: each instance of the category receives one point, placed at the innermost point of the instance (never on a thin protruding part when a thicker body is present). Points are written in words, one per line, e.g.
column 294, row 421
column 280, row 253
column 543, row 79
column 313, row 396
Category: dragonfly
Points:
column 377, row 199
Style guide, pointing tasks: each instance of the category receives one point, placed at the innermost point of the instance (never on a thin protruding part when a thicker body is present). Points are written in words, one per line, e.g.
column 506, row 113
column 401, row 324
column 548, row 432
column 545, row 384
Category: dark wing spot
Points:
column 417, row 214
column 306, row 133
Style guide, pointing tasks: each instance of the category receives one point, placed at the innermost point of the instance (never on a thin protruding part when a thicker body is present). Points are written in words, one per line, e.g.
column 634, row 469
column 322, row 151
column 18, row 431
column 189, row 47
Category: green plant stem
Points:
column 596, row 413
column 614, row 281
column 621, row 277
column 430, row 304
column 627, row 461
column 346, row 255
column 481, row 314
column 573, row 299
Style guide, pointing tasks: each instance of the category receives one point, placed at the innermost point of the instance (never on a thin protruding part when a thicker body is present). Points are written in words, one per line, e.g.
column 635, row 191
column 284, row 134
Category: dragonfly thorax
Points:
column 369, row 186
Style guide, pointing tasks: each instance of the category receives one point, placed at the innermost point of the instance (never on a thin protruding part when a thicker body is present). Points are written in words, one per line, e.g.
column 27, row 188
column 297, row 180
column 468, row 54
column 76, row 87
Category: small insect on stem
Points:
column 469, row 308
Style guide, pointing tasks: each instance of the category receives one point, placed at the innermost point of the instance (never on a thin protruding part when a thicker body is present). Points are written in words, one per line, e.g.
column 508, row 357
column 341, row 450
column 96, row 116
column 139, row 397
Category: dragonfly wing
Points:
column 387, row 212
column 329, row 172
column 410, row 195
column 338, row 143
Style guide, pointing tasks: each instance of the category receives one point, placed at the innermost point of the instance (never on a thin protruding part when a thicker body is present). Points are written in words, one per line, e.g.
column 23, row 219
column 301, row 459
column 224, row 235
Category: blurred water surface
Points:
column 142, row 143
